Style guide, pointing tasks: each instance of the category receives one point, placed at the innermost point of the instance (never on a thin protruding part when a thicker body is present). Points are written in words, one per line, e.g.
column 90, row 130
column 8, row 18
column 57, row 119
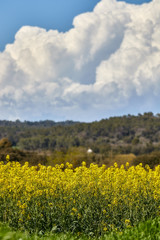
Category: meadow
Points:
column 148, row 230
column 91, row 201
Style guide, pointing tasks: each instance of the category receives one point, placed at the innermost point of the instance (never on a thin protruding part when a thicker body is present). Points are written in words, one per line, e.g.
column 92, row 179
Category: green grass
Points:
column 149, row 230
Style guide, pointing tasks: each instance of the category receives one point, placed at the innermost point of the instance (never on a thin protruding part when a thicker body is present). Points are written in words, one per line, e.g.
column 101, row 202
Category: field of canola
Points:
column 91, row 200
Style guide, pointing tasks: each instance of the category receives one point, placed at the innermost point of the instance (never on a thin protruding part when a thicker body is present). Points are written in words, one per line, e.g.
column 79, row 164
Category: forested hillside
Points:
column 117, row 135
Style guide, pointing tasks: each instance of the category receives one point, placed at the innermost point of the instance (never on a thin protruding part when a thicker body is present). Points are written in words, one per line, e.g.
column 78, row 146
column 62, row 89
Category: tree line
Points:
column 138, row 135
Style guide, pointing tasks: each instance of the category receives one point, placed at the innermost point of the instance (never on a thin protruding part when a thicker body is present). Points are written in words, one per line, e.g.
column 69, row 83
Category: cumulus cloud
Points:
column 108, row 63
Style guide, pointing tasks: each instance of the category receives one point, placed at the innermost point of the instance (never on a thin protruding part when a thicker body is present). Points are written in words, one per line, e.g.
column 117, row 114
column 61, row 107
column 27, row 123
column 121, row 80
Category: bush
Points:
column 151, row 159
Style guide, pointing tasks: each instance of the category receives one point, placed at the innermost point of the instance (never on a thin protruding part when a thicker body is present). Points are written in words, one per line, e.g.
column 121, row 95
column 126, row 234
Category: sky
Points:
column 78, row 60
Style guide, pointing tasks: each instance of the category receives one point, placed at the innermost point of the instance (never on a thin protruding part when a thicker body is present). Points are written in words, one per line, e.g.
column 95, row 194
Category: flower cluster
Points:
column 89, row 200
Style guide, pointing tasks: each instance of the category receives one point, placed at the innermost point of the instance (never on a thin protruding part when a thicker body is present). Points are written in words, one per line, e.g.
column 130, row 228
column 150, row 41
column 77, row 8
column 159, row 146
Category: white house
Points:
column 89, row 150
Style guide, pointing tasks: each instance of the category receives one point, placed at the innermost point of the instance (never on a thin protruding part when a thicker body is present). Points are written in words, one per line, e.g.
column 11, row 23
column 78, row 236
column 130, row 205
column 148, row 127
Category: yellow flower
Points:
column 127, row 221
column 104, row 211
column 127, row 164
column 8, row 157
column 74, row 209
column 115, row 165
column 105, row 229
column 84, row 164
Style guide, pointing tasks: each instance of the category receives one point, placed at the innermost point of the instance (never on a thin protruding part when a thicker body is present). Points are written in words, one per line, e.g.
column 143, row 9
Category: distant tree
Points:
column 5, row 143
column 135, row 141
column 152, row 159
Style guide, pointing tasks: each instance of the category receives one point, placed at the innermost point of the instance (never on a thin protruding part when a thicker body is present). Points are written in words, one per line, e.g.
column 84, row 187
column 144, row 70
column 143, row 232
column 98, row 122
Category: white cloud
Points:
column 108, row 63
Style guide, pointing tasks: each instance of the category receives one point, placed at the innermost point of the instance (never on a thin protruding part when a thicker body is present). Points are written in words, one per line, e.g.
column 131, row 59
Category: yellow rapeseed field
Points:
column 91, row 200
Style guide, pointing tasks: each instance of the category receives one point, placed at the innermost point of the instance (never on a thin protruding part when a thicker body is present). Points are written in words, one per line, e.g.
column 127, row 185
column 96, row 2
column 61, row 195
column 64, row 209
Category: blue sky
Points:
column 48, row 14
column 78, row 59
